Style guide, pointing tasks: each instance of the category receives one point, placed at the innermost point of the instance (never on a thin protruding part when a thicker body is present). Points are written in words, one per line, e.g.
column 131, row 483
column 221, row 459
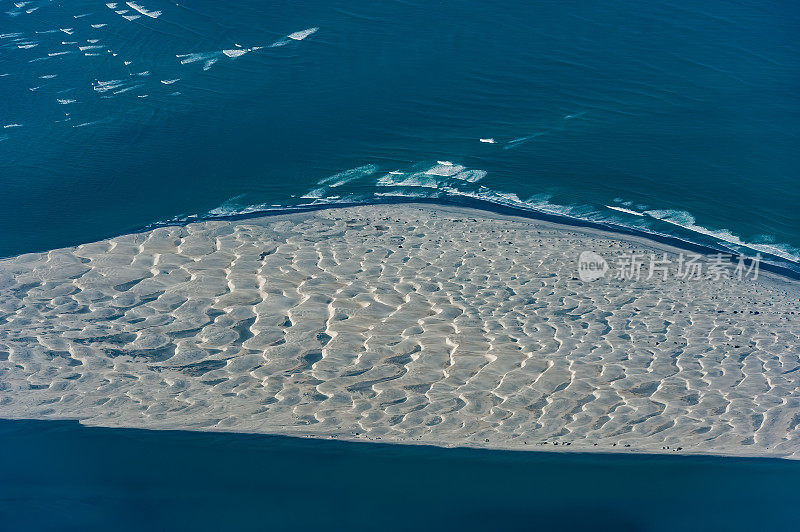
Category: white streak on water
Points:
column 296, row 36
column 622, row 209
column 235, row 52
column 232, row 53
column 347, row 176
column 143, row 10
column 300, row 35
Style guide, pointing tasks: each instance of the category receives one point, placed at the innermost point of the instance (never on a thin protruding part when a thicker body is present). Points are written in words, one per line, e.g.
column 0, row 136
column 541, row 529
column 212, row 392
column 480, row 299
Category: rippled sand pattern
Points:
column 400, row 324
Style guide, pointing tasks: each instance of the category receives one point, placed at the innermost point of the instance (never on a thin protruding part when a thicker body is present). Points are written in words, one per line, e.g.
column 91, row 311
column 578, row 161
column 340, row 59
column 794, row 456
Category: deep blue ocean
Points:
column 119, row 116
column 61, row 476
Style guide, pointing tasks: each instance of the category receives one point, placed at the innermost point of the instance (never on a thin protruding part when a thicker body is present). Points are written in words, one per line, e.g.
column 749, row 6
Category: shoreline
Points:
column 484, row 208
column 541, row 448
column 408, row 325
column 772, row 263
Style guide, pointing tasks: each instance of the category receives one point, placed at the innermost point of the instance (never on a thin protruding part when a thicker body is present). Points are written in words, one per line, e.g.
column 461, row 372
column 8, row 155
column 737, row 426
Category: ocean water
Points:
column 673, row 117
column 62, row 476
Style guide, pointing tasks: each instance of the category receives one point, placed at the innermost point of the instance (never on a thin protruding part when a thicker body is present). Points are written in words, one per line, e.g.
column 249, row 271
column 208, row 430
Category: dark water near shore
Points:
column 117, row 116
column 59, row 475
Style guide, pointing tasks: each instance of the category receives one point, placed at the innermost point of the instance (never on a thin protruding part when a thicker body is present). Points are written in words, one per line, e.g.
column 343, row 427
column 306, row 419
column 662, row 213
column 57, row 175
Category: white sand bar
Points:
column 404, row 324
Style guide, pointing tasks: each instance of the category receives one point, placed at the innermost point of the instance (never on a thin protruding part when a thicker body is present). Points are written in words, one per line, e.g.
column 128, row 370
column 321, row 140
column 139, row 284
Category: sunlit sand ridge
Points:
column 404, row 324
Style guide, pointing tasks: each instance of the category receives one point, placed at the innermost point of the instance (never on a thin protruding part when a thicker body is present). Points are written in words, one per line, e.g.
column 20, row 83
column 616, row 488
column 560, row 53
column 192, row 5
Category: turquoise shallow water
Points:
column 59, row 475
column 117, row 117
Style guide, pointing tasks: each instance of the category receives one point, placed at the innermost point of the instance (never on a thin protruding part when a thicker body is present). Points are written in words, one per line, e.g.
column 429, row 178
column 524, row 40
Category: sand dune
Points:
column 404, row 324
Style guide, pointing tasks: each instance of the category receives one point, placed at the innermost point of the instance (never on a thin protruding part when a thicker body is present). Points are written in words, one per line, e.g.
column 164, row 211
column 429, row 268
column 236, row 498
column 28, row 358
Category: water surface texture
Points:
column 668, row 116
column 60, row 475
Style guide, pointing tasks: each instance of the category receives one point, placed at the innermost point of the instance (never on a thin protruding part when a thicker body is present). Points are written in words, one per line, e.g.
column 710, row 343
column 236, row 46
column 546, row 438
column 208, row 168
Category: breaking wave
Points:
column 449, row 182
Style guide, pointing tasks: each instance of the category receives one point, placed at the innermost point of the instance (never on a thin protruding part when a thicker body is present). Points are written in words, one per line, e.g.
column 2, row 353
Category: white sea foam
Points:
column 445, row 168
column 623, row 209
column 191, row 58
column 9, row 126
column 436, row 176
column 687, row 221
column 235, row 52
column 418, row 179
column 300, row 35
column 170, row 81
column 65, row 102
column 211, row 57
column 347, row 176
column 84, row 124
column 315, row 194
column 126, row 89
column 143, row 10
column 296, row 36
column 115, row 86
column 471, row 176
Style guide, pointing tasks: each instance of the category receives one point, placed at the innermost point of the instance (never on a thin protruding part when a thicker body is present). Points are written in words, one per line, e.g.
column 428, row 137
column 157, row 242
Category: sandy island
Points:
column 402, row 323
